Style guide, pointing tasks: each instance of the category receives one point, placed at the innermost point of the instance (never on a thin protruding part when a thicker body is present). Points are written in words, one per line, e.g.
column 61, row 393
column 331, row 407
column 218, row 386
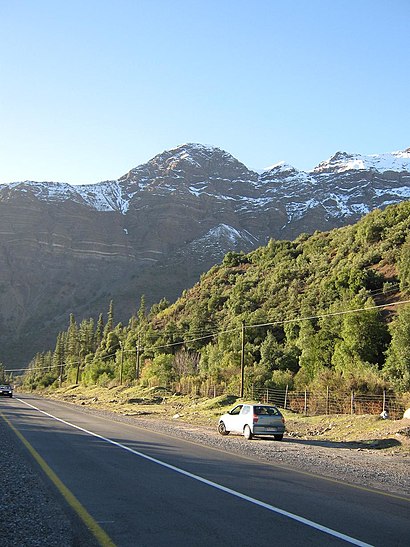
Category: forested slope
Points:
column 329, row 308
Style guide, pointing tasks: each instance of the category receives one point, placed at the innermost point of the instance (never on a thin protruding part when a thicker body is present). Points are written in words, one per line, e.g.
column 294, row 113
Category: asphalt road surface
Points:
column 129, row 486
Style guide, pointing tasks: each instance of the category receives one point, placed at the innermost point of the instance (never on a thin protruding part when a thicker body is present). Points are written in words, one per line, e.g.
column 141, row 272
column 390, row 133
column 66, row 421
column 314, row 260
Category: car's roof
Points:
column 264, row 405
column 260, row 404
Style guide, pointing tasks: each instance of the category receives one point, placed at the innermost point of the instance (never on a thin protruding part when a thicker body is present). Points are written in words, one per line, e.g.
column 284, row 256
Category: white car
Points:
column 252, row 420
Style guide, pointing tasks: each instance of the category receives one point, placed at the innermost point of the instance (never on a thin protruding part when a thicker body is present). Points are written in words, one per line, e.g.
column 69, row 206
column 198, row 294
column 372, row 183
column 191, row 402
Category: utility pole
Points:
column 242, row 358
column 137, row 364
column 60, row 380
column 77, row 376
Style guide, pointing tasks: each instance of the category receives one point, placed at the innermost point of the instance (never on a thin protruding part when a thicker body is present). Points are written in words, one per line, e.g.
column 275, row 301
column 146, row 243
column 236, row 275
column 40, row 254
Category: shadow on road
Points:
column 370, row 444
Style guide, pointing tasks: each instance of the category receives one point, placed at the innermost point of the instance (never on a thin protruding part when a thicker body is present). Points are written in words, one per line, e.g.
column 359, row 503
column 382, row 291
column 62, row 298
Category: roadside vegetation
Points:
column 4, row 377
column 325, row 311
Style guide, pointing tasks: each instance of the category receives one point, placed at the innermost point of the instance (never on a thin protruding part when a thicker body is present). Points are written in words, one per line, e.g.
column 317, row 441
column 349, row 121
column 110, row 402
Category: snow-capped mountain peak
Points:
column 344, row 185
column 280, row 167
column 189, row 156
column 380, row 163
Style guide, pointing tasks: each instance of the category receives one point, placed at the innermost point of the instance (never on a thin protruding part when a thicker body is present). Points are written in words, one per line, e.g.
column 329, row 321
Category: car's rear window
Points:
column 266, row 410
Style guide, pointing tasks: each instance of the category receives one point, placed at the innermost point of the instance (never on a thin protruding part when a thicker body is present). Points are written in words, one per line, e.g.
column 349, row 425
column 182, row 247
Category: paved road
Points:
column 134, row 487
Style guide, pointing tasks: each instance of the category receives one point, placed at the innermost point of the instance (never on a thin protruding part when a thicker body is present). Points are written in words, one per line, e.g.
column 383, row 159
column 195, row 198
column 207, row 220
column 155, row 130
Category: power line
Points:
column 238, row 329
column 324, row 315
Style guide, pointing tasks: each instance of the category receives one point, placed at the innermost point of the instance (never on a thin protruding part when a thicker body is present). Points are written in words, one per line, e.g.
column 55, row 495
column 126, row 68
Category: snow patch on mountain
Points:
column 105, row 196
column 282, row 176
column 279, row 167
column 380, row 163
column 224, row 231
column 48, row 191
column 296, row 211
column 220, row 239
column 403, row 192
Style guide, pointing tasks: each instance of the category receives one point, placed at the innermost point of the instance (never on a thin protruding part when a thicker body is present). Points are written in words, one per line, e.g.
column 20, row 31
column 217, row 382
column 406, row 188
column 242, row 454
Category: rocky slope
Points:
column 154, row 230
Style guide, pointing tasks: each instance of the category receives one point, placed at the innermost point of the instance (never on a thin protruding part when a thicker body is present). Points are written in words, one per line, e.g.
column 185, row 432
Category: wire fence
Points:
column 307, row 402
column 318, row 403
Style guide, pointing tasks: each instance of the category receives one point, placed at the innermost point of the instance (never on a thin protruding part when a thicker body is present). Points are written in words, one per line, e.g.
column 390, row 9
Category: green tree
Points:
column 142, row 311
column 3, row 376
column 110, row 319
column 159, row 370
column 72, row 340
column 363, row 338
column 275, row 356
column 397, row 367
column 404, row 266
column 87, row 337
column 314, row 355
column 99, row 331
column 112, row 344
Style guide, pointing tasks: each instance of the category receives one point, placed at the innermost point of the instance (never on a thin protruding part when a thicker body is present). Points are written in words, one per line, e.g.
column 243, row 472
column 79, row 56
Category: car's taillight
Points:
column 255, row 418
column 283, row 419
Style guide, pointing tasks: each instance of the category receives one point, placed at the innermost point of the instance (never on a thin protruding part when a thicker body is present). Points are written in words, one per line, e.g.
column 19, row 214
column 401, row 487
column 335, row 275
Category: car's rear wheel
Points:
column 278, row 437
column 247, row 433
column 222, row 429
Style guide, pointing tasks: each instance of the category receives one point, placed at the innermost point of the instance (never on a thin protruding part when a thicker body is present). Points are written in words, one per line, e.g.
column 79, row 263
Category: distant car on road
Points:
column 253, row 420
column 6, row 390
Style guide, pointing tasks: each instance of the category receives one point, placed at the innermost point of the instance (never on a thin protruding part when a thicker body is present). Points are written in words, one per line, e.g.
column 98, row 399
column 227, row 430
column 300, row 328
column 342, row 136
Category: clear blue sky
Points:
column 91, row 88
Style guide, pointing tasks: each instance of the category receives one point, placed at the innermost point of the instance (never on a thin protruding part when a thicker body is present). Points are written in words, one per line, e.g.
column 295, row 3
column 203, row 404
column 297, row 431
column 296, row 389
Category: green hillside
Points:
column 327, row 309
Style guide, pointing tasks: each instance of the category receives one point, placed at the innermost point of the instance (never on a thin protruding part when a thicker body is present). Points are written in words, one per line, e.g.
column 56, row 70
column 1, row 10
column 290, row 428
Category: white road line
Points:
column 220, row 487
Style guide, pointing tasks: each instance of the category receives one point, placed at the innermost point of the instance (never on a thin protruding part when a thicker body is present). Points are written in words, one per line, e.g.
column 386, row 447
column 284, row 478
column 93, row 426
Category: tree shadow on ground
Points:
column 369, row 444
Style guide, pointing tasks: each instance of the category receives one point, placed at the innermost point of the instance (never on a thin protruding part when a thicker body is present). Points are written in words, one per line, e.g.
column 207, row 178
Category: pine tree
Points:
column 72, row 342
column 142, row 312
column 86, row 337
column 59, row 353
column 109, row 327
column 99, row 331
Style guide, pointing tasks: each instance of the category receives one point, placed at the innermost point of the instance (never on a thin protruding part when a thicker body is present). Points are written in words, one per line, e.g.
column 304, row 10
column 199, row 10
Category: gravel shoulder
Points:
column 30, row 513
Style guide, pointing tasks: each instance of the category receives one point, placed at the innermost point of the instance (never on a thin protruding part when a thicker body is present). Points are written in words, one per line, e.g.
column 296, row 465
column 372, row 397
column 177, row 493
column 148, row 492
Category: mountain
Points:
column 324, row 311
column 153, row 231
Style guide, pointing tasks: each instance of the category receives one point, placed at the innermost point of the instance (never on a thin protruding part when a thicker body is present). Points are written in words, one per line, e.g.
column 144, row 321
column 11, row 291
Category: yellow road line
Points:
column 101, row 536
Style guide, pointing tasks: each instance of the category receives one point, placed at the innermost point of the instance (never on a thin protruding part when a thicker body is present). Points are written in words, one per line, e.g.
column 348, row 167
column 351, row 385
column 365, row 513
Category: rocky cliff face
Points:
column 154, row 230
